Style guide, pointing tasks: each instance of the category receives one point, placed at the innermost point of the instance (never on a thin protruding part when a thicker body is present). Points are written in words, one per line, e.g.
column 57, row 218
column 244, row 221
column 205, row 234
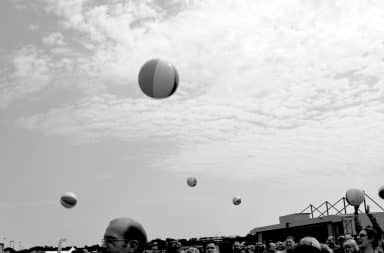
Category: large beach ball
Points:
column 158, row 79
column 68, row 200
column 191, row 181
column 354, row 197
column 236, row 200
column 381, row 192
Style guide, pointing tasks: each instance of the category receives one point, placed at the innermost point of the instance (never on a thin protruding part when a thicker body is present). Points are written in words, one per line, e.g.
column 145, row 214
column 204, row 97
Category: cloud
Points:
column 257, row 69
column 28, row 73
column 32, row 27
column 245, row 49
column 54, row 39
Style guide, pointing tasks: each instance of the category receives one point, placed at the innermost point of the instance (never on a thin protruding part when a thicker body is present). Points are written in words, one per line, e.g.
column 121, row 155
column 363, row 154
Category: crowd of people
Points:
column 125, row 235
column 128, row 236
column 364, row 242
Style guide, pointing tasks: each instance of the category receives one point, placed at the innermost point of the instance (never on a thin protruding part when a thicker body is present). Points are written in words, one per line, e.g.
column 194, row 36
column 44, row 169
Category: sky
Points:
column 279, row 102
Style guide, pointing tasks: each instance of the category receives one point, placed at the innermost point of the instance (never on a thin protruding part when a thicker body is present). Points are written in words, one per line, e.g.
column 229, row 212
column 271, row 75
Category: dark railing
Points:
column 338, row 210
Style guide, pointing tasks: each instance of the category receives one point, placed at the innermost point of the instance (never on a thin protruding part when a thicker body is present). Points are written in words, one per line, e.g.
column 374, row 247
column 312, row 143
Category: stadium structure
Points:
column 322, row 221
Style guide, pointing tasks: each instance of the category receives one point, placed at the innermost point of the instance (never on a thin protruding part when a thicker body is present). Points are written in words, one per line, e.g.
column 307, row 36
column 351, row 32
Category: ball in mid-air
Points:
column 191, row 181
column 236, row 201
column 381, row 192
column 354, row 196
column 68, row 200
column 158, row 79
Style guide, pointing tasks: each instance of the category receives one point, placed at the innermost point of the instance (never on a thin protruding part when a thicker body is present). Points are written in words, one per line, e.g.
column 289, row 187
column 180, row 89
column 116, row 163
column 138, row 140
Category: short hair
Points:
column 210, row 242
column 136, row 233
column 373, row 235
column 290, row 237
column 192, row 250
column 353, row 243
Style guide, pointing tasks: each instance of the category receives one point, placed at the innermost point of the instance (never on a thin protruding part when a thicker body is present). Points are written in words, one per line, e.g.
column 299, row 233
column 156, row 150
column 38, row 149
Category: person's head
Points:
column 173, row 246
column 308, row 245
column 271, row 247
column 211, row 247
column 350, row 246
column 124, row 235
column 289, row 243
column 192, row 250
column 280, row 245
column 250, row 248
column 330, row 242
column 340, row 240
column 259, row 247
column 367, row 238
column 155, row 247
column 236, row 246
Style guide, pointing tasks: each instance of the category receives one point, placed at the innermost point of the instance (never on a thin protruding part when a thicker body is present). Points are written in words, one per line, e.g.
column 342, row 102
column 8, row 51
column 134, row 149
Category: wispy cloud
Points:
column 54, row 39
column 27, row 73
column 258, row 69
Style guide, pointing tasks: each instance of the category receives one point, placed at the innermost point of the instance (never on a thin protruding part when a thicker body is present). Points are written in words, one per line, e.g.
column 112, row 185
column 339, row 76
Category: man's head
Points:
column 236, row 247
column 350, row 246
column 367, row 237
column 289, row 243
column 271, row 247
column 250, row 248
column 192, row 250
column 340, row 240
column 155, row 248
column 124, row 235
column 331, row 242
column 280, row 245
column 173, row 246
column 211, row 247
column 259, row 247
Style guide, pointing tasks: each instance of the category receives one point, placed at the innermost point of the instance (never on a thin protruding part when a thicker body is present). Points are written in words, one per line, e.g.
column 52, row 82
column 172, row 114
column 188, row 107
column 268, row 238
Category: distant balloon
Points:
column 192, row 181
column 236, row 201
column 354, row 197
column 381, row 192
column 68, row 200
column 158, row 79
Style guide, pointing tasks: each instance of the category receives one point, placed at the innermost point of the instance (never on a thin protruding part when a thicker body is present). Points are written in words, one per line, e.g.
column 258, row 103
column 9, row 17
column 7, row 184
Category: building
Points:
column 324, row 225
column 300, row 225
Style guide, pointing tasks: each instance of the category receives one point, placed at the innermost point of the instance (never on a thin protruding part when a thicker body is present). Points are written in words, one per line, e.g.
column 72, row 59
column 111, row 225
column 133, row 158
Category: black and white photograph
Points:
column 191, row 126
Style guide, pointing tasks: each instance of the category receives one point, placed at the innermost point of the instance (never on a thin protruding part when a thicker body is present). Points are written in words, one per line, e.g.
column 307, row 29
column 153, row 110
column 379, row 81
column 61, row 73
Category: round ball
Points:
column 236, row 201
column 381, row 192
column 191, row 181
column 68, row 200
column 158, row 79
column 354, row 197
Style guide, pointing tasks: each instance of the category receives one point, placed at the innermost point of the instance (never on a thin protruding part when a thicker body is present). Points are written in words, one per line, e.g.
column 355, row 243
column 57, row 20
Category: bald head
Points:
column 129, row 230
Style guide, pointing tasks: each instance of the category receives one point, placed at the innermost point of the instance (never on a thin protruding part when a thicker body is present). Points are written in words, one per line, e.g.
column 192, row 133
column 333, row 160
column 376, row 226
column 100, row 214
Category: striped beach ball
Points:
column 158, row 79
column 68, row 200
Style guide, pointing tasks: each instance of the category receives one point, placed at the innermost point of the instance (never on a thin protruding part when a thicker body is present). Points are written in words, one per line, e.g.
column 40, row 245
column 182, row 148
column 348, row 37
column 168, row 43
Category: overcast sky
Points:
column 279, row 102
